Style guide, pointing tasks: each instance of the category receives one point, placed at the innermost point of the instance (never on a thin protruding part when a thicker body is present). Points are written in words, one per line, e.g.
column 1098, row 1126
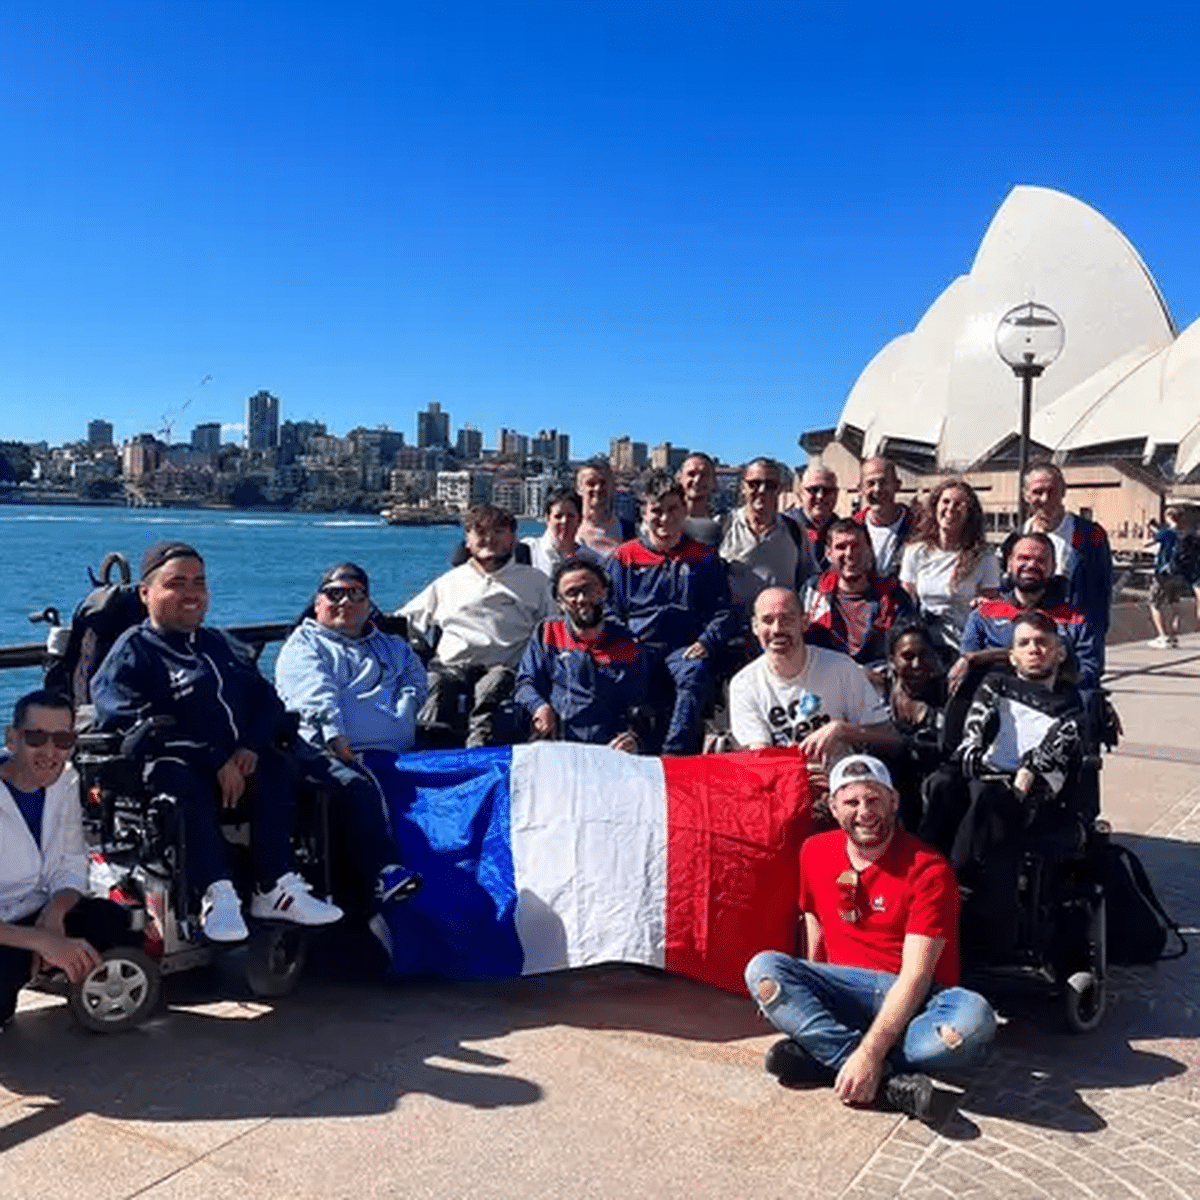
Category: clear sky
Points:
column 689, row 221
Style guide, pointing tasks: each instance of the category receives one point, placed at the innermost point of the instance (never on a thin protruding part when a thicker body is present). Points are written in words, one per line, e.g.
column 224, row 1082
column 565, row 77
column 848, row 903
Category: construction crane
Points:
column 172, row 415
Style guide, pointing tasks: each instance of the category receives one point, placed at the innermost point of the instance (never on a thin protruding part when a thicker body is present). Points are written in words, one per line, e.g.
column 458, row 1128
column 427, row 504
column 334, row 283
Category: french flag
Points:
column 554, row 855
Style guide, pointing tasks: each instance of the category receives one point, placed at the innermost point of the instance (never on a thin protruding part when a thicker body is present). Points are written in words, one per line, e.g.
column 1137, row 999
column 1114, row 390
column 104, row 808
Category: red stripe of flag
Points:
column 734, row 827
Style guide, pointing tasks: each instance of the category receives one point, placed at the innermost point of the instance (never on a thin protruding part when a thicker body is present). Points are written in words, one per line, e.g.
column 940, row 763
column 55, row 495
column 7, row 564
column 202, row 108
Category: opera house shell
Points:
column 1125, row 388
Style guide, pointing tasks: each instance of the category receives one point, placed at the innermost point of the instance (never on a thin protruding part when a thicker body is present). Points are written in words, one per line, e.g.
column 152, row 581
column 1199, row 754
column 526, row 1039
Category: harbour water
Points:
column 261, row 566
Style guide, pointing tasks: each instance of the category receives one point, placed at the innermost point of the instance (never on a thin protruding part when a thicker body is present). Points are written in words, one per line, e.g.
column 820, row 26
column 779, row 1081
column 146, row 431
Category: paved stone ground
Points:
column 623, row 1082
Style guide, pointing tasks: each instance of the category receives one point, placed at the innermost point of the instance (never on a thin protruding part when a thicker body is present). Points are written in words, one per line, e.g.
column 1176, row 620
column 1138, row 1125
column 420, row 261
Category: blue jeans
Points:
column 826, row 1009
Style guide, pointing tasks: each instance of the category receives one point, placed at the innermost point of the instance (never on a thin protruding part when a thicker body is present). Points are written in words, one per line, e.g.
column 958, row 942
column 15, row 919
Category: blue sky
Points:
column 683, row 221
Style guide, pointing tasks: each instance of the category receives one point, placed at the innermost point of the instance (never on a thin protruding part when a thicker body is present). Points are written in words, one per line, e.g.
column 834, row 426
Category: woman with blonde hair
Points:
column 948, row 564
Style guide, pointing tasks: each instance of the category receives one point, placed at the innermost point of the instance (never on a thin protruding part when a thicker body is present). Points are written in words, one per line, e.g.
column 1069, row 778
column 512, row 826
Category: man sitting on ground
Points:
column 850, row 608
column 673, row 594
column 583, row 677
column 875, row 1002
column 806, row 696
column 761, row 546
column 478, row 616
column 47, row 920
column 887, row 523
column 223, row 744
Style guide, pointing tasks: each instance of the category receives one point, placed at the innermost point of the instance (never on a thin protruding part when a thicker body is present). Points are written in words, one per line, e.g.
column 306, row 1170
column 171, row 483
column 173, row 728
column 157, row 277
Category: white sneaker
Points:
column 1159, row 643
column 221, row 914
column 291, row 899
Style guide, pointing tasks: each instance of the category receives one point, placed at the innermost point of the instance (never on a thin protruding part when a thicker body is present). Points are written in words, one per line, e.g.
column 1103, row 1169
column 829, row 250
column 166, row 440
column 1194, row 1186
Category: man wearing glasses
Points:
column 763, row 547
column 225, row 743
column 46, row 919
column 815, row 512
column 875, row 1001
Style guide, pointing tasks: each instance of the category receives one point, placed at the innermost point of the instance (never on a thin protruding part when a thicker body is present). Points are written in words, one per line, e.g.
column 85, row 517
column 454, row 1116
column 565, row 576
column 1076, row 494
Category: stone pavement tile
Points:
column 203, row 1181
column 165, row 1082
column 48, row 1152
column 605, row 1118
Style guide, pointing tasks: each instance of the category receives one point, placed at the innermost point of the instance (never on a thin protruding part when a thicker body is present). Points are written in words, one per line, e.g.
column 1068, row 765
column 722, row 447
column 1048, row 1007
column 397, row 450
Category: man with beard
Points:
column 875, row 1001
column 988, row 634
column 583, row 677
column 850, row 607
column 887, row 523
column 480, row 615
column 806, row 696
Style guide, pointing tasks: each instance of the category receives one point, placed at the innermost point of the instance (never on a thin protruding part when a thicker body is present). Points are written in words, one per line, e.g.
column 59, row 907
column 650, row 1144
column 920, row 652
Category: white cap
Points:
column 855, row 768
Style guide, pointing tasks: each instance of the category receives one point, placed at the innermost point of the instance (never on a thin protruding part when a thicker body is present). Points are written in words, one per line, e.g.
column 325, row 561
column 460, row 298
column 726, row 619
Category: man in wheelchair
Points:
column 225, row 746
column 47, row 921
column 1022, row 749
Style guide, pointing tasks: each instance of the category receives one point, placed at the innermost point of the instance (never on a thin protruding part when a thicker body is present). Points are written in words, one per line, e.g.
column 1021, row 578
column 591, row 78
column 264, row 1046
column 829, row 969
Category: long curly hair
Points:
column 973, row 545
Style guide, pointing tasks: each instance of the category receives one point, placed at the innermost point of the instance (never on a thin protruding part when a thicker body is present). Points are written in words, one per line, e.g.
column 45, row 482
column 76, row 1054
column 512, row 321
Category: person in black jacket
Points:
column 226, row 727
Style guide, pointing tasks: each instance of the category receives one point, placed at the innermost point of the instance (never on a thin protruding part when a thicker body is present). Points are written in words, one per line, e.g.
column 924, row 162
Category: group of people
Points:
column 836, row 634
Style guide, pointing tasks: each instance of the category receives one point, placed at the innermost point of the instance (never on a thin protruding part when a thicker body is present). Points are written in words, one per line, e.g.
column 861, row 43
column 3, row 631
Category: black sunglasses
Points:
column 343, row 595
column 63, row 739
column 819, row 489
column 762, row 485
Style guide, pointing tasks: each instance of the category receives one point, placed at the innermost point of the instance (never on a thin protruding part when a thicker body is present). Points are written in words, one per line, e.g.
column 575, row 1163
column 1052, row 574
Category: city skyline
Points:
column 611, row 219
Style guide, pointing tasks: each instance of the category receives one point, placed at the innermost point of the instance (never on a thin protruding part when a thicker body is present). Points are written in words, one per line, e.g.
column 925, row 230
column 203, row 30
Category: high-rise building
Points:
column 665, row 457
column 207, row 437
column 100, row 433
column 513, row 445
column 262, row 421
column 433, row 428
column 470, row 444
column 141, row 456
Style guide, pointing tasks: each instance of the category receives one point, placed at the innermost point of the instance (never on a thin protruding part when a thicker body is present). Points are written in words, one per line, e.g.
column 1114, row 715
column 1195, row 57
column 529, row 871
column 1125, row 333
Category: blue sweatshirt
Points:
column 590, row 685
column 670, row 599
column 367, row 690
column 206, row 681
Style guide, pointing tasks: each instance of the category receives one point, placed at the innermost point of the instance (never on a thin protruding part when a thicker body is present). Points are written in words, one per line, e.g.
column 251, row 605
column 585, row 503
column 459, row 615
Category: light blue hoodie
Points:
column 368, row 689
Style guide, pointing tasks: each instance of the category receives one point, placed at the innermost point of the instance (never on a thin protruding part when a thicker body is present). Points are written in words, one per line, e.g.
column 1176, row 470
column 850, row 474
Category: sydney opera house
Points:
column 1119, row 410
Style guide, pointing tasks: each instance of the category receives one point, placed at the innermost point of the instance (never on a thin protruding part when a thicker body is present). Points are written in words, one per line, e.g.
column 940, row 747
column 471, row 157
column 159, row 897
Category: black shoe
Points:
column 791, row 1064
column 909, row 1094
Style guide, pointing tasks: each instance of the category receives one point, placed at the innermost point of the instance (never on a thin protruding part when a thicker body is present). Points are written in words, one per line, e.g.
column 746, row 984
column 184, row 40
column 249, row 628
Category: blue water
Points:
column 261, row 567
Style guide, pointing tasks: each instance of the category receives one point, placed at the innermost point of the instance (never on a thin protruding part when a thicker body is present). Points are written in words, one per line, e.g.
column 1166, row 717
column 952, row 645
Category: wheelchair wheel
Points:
column 1084, row 1000
column 275, row 957
column 118, row 994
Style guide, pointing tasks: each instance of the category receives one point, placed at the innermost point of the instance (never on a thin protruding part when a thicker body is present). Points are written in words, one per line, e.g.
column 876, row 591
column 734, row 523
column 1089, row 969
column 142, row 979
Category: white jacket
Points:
column 29, row 874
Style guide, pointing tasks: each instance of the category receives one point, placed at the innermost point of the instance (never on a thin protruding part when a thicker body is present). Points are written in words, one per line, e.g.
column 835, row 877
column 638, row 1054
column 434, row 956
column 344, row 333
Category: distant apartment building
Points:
column 141, row 456
column 207, row 437
column 295, row 437
column 513, row 446
column 100, row 433
column 627, row 456
column 433, row 427
column 454, row 489
column 508, row 492
column 551, row 447
column 469, row 446
column 537, row 487
column 482, row 486
column 665, row 457
column 262, row 422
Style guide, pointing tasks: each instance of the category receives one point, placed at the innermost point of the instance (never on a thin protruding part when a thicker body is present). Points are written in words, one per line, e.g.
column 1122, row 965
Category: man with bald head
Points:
column 817, row 499
column 886, row 521
column 808, row 696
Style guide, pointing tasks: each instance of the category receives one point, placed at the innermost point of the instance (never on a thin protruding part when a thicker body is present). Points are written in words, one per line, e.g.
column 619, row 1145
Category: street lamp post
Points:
column 1029, row 338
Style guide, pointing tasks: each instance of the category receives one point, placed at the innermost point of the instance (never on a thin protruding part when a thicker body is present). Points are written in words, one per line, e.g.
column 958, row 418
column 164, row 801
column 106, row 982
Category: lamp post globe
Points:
column 1028, row 339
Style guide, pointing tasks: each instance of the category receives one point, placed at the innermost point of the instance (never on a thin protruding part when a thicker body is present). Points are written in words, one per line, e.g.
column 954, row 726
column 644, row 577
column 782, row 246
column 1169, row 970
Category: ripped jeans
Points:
column 826, row 1009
